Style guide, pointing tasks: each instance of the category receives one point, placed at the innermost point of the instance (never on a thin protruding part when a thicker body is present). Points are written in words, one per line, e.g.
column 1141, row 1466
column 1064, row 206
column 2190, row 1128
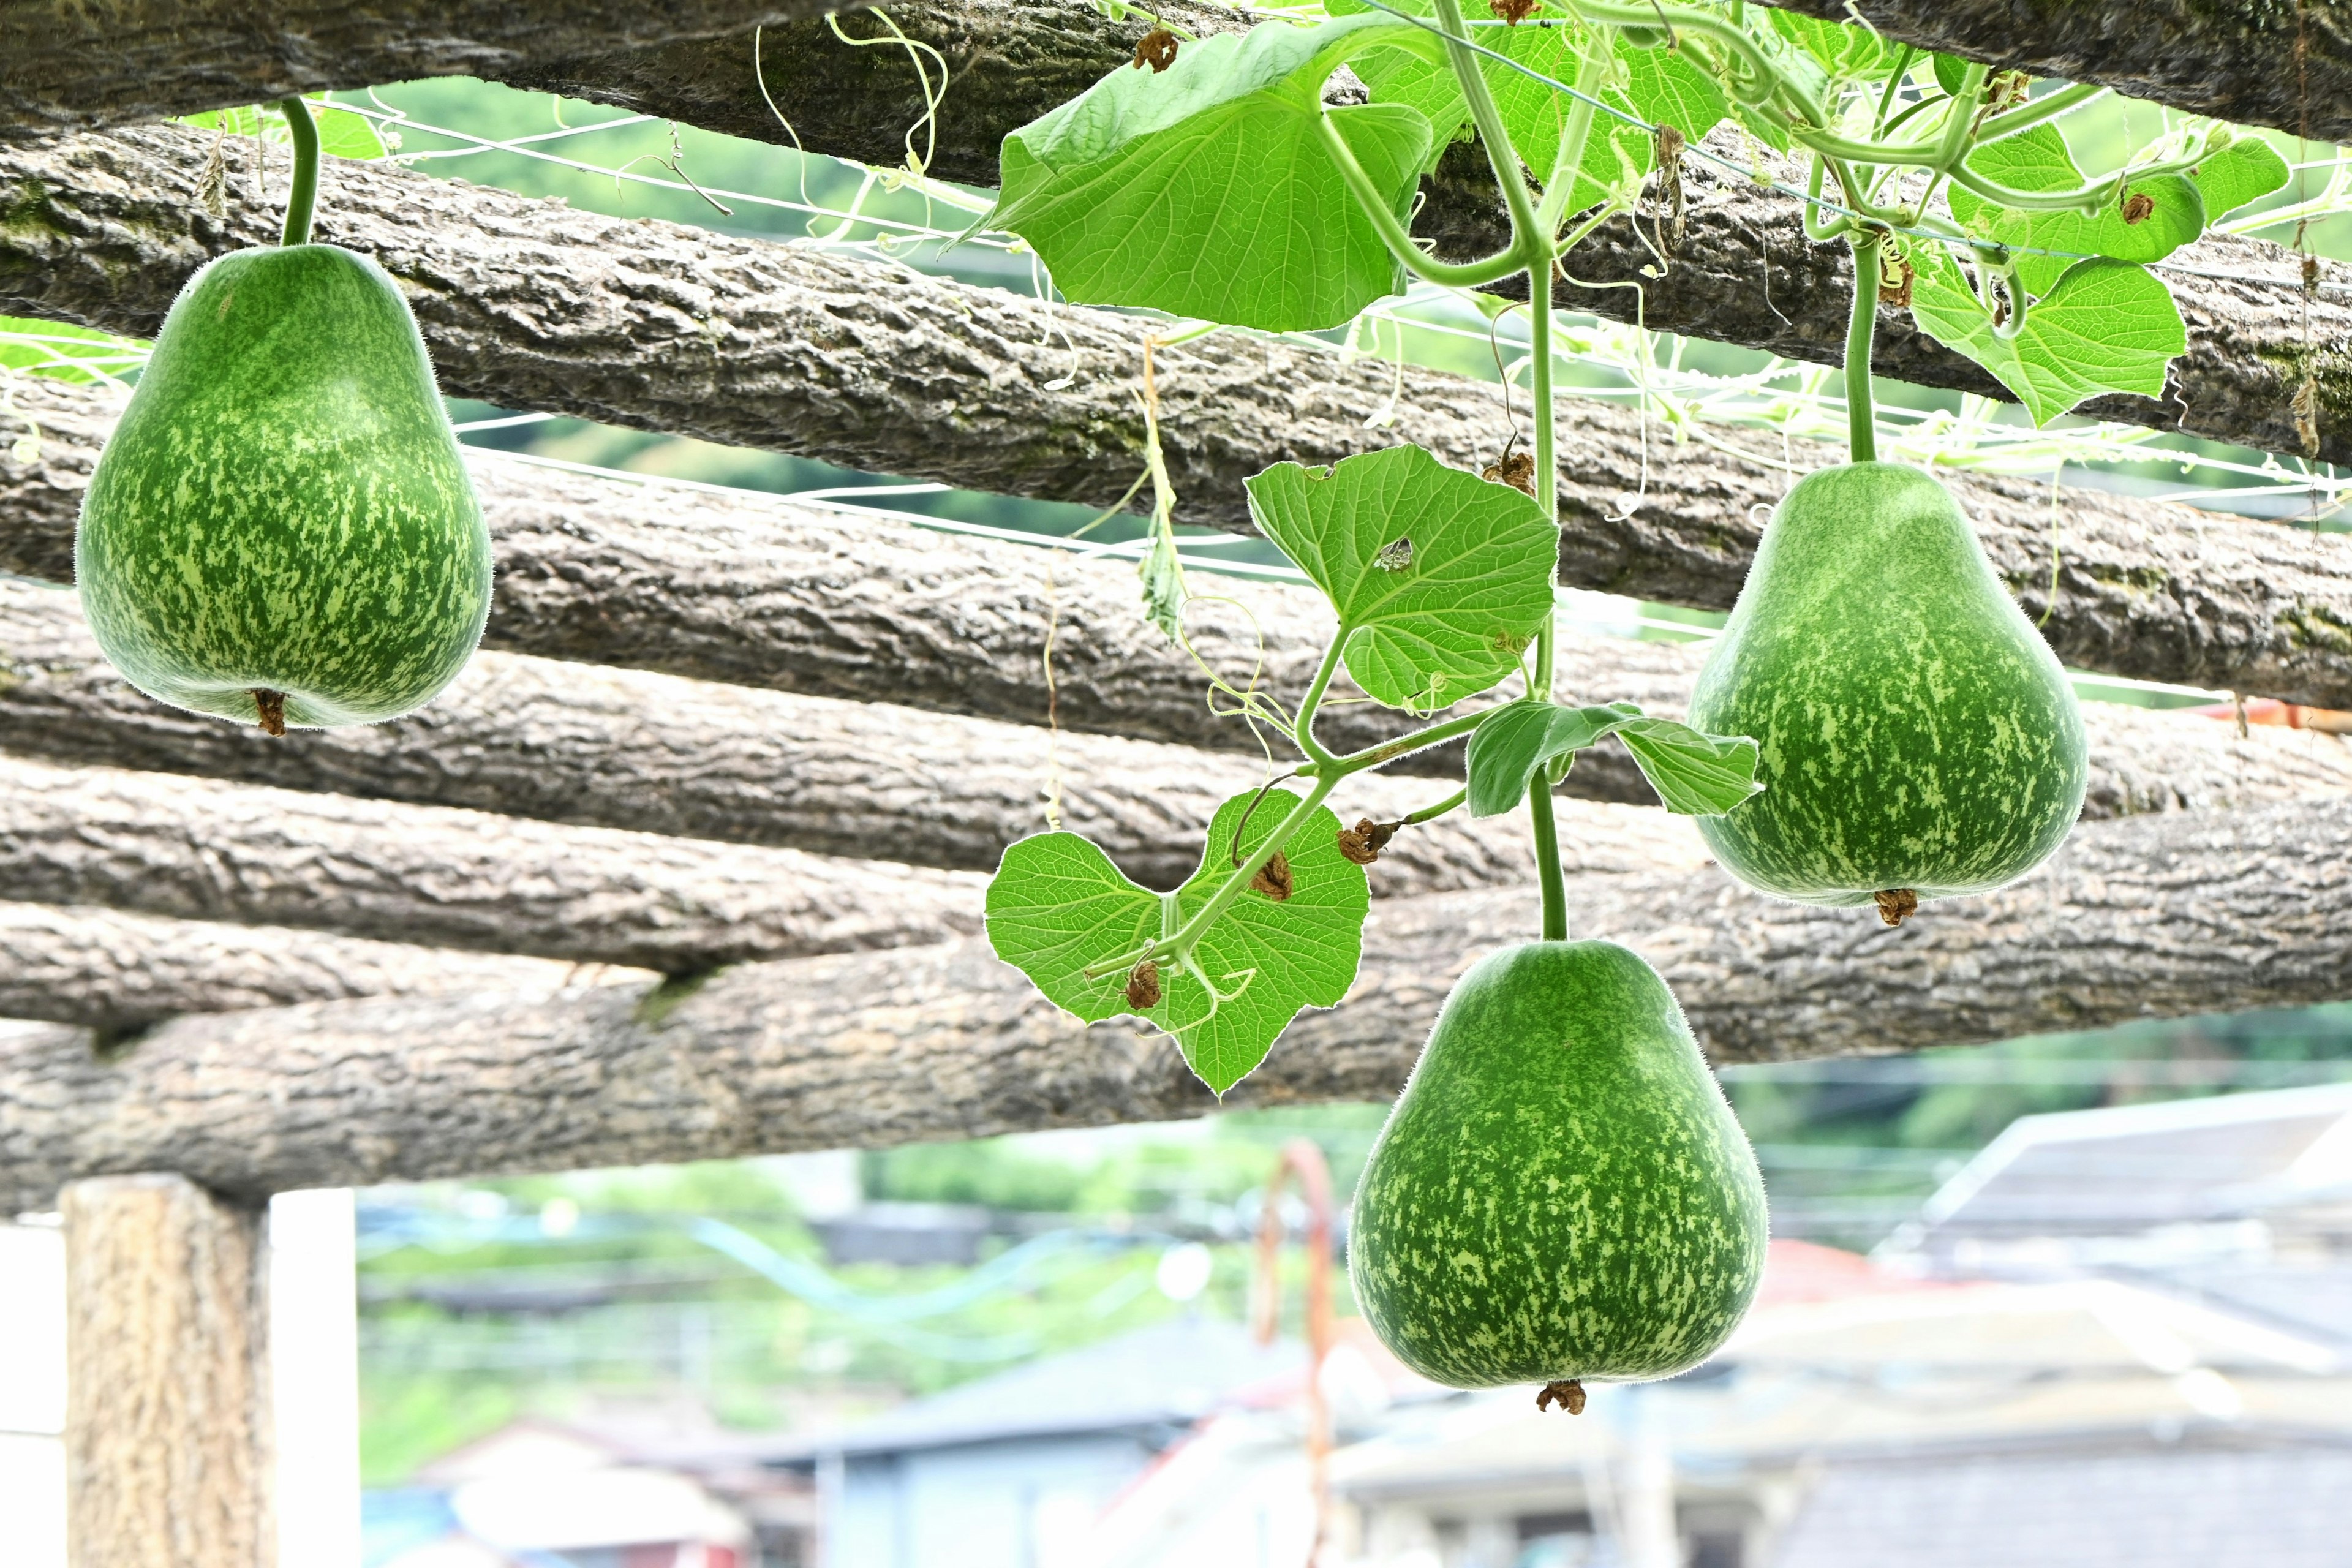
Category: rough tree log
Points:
column 2155, row 917
column 168, row 1420
column 111, row 971
column 2254, row 61
column 764, row 593
column 531, row 305
column 577, row 743
column 201, row 850
column 72, row 66
column 565, row 742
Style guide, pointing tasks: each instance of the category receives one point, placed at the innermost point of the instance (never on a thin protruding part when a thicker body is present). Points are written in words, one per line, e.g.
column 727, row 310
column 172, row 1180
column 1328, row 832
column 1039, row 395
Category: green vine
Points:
column 1220, row 187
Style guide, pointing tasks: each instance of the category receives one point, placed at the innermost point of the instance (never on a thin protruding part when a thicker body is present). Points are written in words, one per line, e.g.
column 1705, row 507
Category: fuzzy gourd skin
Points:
column 1916, row 732
column 1562, row 1191
column 283, row 507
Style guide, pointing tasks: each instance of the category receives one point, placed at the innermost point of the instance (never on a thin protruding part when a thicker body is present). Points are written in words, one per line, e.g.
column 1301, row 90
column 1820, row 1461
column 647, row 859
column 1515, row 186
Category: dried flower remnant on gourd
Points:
column 1143, row 986
column 1156, row 48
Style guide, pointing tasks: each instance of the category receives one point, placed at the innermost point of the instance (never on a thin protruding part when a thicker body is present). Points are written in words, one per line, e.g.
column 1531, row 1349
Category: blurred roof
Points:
column 2179, row 1508
column 2125, row 1168
column 1152, row 1380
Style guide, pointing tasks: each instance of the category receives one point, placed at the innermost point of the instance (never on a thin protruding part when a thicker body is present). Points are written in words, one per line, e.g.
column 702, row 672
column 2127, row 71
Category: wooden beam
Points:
column 2154, row 917
column 575, row 744
column 653, row 755
column 70, row 67
column 760, row 592
column 117, row 973
column 168, row 1403
column 201, row 850
column 531, row 305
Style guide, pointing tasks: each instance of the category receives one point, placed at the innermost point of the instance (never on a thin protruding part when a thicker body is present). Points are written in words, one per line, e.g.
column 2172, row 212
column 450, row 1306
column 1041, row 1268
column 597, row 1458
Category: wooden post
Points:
column 167, row 1384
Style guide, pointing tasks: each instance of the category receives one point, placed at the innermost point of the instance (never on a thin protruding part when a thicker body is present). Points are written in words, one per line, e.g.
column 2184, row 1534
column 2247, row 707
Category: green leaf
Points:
column 1694, row 774
column 1057, row 905
column 1510, row 743
column 1206, row 191
column 65, row 352
column 1951, row 74
column 2107, row 326
column 2247, row 169
column 342, row 132
column 2037, row 160
column 1439, row 578
column 1844, row 52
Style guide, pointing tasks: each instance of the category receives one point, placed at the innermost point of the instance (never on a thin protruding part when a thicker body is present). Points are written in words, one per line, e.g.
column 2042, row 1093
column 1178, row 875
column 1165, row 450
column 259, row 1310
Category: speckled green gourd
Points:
column 1916, row 732
column 283, row 507
column 1562, row 1191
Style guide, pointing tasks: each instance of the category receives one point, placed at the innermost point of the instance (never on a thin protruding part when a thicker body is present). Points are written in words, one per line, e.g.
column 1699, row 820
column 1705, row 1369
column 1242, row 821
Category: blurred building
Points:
column 1015, row 1470
column 647, row 1489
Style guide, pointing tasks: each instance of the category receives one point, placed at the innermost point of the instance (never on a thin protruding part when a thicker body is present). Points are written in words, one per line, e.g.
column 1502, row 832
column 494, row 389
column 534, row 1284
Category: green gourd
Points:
column 281, row 530
column 1560, row 1191
column 1919, row 738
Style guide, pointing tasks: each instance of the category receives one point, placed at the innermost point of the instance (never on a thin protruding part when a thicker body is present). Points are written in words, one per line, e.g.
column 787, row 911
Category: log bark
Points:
column 530, row 305
column 649, row 753
column 117, row 973
column 74, row 67
column 765, row 593
column 2288, row 66
column 1009, row 60
column 564, row 743
column 200, row 850
column 167, row 1377
column 2149, row 918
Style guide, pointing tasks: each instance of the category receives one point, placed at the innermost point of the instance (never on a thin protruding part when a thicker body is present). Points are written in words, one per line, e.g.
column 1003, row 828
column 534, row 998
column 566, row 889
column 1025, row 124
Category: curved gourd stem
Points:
column 304, row 196
column 1862, row 420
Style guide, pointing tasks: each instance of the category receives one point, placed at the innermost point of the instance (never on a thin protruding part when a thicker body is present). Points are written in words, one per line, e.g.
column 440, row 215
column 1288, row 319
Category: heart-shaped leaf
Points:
column 1207, row 190
column 1057, row 906
column 1439, row 578
column 2107, row 326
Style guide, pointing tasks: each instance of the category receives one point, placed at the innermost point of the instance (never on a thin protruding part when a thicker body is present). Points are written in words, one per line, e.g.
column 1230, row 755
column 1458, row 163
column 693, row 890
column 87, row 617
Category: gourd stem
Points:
column 1862, row 418
column 1547, row 838
column 304, row 195
column 1540, row 334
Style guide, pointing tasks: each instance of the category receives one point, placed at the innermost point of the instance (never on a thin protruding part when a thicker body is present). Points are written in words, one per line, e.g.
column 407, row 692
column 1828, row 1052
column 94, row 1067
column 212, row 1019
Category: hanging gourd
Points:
column 1562, row 1191
column 1919, row 738
column 282, row 529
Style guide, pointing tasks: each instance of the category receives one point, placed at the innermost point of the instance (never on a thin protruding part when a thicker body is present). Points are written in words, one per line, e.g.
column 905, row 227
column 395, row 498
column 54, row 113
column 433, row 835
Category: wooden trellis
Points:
column 687, row 864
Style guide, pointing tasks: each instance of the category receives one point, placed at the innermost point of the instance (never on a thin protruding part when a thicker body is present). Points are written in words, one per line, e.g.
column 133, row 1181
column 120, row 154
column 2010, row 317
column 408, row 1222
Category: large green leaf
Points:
column 1207, row 191
column 1694, row 774
column 2107, row 326
column 1057, row 905
column 2037, row 160
column 1439, row 578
